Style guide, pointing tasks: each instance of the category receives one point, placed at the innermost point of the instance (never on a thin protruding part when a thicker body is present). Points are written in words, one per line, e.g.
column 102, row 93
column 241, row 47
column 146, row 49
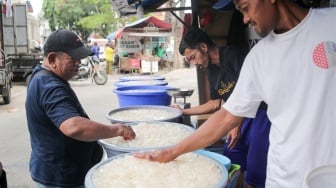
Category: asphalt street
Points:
column 96, row 100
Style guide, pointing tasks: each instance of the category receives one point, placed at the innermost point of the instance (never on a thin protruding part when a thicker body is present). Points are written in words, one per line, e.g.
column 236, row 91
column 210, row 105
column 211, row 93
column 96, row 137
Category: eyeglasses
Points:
column 66, row 57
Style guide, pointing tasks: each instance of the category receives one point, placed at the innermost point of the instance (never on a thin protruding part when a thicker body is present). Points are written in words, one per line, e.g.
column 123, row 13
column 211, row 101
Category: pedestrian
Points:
column 63, row 138
column 3, row 178
column 160, row 51
column 109, row 53
column 95, row 49
column 292, row 69
column 247, row 144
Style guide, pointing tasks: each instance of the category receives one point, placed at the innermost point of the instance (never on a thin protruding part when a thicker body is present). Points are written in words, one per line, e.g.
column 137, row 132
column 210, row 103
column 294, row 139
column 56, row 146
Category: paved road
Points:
column 96, row 100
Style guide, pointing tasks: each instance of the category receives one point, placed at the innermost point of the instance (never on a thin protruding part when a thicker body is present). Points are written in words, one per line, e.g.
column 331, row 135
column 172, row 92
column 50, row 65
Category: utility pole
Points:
column 178, row 30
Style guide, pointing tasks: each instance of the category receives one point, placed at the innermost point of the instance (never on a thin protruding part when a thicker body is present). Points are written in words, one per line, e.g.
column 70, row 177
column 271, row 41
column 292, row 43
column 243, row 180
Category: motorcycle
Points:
column 89, row 67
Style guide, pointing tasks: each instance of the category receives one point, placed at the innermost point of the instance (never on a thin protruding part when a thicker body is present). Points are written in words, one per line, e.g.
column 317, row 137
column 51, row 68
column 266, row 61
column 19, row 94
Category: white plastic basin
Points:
column 321, row 177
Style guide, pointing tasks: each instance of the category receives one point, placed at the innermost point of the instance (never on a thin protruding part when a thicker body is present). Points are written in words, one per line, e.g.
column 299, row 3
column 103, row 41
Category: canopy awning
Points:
column 149, row 20
column 149, row 26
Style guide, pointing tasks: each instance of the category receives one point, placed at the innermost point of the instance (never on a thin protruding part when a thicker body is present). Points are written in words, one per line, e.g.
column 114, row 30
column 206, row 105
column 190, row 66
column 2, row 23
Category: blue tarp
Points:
column 111, row 36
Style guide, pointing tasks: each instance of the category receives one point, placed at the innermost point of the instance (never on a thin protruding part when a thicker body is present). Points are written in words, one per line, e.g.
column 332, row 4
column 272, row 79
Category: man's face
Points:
column 260, row 15
column 66, row 66
column 197, row 57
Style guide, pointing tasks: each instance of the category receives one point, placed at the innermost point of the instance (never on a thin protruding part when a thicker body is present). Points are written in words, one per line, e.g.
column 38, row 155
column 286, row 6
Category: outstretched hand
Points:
column 176, row 106
column 161, row 156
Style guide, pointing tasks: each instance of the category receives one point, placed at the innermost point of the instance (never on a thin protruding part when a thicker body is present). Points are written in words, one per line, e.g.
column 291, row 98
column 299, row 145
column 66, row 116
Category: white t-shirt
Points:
column 295, row 74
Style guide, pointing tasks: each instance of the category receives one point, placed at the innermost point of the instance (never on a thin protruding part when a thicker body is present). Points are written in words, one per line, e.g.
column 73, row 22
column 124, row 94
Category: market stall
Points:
column 136, row 42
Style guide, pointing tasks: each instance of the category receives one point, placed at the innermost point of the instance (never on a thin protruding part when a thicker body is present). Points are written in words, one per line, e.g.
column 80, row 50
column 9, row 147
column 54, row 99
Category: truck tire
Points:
column 7, row 96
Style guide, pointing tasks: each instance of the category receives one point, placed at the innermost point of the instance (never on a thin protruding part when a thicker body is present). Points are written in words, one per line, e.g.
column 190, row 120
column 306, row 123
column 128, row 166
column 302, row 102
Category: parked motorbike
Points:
column 89, row 68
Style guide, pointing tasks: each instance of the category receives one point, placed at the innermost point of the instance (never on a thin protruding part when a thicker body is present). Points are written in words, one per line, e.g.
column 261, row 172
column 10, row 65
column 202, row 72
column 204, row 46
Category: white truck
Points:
column 17, row 59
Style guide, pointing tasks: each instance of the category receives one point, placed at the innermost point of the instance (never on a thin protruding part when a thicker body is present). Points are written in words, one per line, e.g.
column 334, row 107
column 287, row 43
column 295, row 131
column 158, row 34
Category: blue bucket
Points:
column 120, row 84
column 143, row 95
column 144, row 77
column 223, row 160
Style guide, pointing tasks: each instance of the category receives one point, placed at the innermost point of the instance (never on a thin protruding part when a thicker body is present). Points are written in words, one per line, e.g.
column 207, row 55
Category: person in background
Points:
column 63, row 139
column 3, row 178
column 247, row 145
column 109, row 53
column 292, row 68
column 95, row 49
column 160, row 51
column 115, row 55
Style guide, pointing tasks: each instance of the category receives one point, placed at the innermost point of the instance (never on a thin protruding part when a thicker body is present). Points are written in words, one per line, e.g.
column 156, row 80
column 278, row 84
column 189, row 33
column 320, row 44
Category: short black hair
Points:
column 193, row 38
column 237, row 35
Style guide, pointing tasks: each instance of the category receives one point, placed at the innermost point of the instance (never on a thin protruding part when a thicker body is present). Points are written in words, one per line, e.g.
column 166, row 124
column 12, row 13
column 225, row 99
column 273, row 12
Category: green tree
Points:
column 101, row 18
column 66, row 14
column 83, row 16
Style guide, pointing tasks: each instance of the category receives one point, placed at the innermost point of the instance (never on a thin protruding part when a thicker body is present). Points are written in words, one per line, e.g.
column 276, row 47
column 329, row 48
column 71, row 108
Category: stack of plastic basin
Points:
column 120, row 84
column 322, row 176
column 143, row 95
column 141, row 77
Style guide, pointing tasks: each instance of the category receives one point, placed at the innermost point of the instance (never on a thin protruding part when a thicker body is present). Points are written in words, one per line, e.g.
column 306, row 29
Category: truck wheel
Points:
column 7, row 97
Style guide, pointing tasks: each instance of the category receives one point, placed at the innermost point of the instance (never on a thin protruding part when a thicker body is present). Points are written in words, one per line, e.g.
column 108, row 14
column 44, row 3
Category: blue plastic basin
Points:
column 143, row 95
column 120, row 84
column 143, row 77
column 225, row 161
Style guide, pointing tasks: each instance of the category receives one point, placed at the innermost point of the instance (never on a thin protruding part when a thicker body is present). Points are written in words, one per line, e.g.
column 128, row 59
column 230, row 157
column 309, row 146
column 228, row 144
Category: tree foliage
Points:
column 82, row 16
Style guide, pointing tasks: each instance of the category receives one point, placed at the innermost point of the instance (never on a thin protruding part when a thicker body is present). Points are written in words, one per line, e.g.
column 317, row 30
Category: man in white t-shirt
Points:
column 292, row 69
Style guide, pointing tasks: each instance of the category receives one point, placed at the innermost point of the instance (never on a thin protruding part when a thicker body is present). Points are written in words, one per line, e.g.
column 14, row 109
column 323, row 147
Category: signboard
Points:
column 129, row 44
column 150, row 28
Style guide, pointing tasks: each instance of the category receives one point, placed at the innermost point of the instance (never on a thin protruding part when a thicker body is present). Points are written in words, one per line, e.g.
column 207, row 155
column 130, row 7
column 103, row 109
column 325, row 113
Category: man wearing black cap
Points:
column 63, row 138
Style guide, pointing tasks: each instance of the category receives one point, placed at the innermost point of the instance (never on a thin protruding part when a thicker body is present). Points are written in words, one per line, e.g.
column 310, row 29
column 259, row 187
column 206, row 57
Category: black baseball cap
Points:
column 63, row 40
column 224, row 5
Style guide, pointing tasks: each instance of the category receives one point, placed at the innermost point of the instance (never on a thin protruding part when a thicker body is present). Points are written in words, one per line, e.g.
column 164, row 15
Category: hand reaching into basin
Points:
column 127, row 132
column 162, row 156
column 176, row 106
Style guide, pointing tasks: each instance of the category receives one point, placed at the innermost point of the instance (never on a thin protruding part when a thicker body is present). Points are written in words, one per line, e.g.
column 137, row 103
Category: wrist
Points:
column 118, row 130
column 185, row 112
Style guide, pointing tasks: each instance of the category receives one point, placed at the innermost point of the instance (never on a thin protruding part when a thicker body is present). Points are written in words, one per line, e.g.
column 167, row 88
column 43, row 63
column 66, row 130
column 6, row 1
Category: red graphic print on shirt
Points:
column 324, row 54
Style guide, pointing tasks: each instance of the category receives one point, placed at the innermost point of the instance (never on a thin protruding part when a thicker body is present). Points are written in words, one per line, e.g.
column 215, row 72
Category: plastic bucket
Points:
column 143, row 95
column 323, row 176
column 133, row 114
column 140, row 83
column 113, row 150
column 225, row 161
column 89, row 183
column 138, row 78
